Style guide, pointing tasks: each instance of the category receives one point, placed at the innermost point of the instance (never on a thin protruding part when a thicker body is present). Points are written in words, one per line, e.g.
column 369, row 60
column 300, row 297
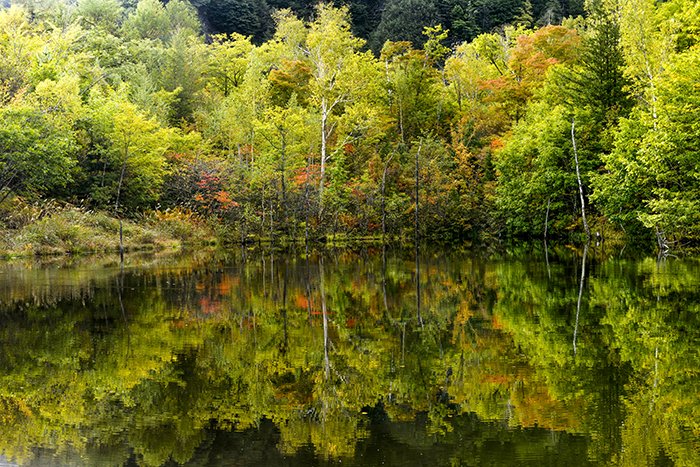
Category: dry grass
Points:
column 49, row 229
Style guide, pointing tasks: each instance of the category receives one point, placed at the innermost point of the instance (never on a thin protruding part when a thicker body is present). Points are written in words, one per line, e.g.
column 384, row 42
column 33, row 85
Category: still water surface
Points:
column 249, row 359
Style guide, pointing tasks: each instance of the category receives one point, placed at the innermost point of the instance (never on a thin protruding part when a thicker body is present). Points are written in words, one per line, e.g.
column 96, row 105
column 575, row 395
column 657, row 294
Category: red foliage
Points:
column 211, row 197
column 312, row 174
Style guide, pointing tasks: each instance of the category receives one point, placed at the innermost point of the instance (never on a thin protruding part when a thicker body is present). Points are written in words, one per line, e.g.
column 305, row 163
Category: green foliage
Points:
column 404, row 20
column 670, row 152
column 536, row 173
column 153, row 20
column 292, row 126
column 125, row 163
column 106, row 14
column 36, row 155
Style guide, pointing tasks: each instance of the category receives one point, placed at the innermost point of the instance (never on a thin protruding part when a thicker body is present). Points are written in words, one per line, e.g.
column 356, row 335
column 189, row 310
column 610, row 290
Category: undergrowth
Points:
column 50, row 228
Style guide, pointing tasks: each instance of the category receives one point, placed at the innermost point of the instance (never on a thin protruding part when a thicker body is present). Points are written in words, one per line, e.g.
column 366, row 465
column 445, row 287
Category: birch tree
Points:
column 340, row 76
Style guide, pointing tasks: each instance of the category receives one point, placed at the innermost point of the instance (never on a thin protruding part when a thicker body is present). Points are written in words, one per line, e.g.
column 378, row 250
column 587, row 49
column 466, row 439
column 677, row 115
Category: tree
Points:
column 670, row 152
column 131, row 149
column 646, row 176
column 18, row 47
column 536, row 174
column 528, row 62
column 246, row 17
column 413, row 90
column 285, row 136
column 404, row 20
column 37, row 156
column 601, row 83
column 645, row 49
column 152, row 20
column 228, row 58
column 106, row 14
column 341, row 76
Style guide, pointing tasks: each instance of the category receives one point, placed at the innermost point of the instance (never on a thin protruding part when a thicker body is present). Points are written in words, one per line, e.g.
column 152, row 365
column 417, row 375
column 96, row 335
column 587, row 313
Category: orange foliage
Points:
column 301, row 301
column 529, row 62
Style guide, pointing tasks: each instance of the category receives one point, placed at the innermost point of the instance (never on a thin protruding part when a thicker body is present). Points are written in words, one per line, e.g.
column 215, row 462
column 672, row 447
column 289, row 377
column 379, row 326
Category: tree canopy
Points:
column 503, row 130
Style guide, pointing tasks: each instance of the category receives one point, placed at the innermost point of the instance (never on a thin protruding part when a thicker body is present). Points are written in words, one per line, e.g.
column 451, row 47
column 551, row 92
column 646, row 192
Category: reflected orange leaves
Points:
column 301, row 301
column 210, row 306
column 497, row 379
column 227, row 283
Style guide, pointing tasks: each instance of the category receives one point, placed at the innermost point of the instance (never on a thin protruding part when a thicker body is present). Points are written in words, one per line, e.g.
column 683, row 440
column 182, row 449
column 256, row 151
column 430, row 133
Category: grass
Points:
column 52, row 230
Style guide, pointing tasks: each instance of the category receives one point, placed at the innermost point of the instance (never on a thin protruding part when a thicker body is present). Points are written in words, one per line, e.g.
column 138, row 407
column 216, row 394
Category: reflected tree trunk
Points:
column 285, row 333
column 120, row 294
column 417, row 239
column 326, row 358
column 580, row 295
column 264, row 276
column 307, row 281
column 403, row 344
column 546, row 259
column 386, row 303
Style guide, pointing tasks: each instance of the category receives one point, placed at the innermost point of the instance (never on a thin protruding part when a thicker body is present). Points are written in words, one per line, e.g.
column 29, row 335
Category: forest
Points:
column 282, row 120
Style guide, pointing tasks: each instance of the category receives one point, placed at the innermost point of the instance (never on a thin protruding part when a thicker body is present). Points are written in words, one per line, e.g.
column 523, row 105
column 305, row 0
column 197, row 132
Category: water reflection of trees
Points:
column 240, row 343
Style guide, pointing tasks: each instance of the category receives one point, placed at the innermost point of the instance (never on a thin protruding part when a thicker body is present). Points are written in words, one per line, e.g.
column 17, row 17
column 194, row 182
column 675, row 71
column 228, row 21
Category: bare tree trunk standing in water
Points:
column 580, row 185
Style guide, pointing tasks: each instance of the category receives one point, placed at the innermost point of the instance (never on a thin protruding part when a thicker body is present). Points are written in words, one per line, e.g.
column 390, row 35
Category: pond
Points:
column 349, row 357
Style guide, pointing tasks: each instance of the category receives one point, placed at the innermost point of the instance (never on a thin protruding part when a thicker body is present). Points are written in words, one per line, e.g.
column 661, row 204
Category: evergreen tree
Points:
column 404, row 20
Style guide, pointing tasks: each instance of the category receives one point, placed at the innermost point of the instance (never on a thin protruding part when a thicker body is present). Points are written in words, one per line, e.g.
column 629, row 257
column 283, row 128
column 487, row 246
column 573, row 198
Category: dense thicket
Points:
column 516, row 133
column 381, row 20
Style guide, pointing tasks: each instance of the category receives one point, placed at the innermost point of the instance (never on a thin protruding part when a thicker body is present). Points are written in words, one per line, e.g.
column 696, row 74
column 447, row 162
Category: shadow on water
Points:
column 378, row 356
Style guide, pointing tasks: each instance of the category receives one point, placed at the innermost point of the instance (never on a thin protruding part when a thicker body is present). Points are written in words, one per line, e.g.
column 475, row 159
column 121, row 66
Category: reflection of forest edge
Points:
column 330, row 358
